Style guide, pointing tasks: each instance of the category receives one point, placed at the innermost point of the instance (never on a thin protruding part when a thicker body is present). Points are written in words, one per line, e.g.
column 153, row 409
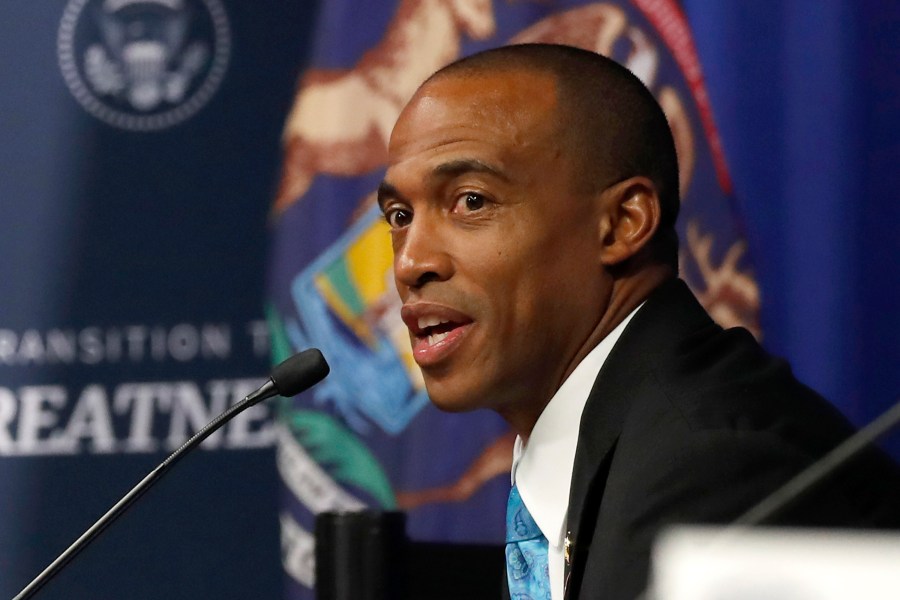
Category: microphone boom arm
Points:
column 301, row 371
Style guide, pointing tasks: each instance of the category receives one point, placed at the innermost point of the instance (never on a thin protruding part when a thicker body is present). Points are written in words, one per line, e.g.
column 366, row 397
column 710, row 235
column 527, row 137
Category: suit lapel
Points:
column 670, row 313
column 601, row 425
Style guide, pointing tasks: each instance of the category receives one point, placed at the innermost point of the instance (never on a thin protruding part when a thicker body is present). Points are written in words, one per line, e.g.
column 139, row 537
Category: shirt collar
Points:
column 542, row 467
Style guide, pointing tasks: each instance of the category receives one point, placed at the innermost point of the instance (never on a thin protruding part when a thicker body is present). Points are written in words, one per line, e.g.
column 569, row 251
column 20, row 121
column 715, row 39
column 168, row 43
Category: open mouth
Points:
column 433, row 329
column 436, row 331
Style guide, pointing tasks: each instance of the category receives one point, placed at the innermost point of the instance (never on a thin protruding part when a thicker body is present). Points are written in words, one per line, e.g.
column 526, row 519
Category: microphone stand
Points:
column 141, row 488
column 802, row 483
column 805, row 481
column 296, row 374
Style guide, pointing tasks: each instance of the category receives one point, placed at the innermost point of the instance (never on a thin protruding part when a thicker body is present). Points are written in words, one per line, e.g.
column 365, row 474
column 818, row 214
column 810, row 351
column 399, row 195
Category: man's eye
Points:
column 471, row 201
column 398, row 218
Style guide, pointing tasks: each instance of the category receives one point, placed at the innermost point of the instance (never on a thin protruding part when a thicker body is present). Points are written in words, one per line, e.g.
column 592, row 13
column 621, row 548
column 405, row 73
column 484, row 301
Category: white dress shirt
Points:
column 542, row 466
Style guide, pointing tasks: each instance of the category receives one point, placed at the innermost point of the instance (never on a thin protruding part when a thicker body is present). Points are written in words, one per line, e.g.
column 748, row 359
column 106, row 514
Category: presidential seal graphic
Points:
column 143, row 65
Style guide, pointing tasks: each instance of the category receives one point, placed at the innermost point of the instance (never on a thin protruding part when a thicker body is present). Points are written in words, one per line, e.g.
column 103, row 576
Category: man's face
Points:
column 496, row 248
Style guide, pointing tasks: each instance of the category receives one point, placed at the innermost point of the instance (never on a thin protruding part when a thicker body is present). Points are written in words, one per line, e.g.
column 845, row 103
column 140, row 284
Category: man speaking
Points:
column 532, row 193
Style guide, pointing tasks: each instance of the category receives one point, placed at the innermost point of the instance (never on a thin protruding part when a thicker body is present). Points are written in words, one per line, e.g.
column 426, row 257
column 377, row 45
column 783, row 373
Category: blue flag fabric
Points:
column 368, row 436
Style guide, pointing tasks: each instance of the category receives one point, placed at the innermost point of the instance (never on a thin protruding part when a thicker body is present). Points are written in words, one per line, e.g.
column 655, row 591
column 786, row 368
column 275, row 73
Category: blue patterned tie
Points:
column 526, row 553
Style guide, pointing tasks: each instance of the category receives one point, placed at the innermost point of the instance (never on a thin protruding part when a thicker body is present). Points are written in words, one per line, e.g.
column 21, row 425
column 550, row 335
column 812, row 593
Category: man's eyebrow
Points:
column 386, row 191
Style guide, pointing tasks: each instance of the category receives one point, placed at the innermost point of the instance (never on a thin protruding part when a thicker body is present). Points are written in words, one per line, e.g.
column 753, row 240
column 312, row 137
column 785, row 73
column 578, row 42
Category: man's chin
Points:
column 451, row 399
column 454, row 405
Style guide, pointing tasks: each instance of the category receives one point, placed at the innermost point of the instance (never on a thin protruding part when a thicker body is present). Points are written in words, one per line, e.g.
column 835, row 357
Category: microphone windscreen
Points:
column 300, row 372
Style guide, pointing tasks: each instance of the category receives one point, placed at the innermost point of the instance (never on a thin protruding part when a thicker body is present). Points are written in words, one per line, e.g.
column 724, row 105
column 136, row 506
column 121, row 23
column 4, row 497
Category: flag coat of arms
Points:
column 368, row 435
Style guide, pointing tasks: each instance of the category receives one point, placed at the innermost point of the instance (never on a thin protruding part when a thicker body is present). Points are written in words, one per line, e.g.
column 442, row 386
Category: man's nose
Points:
column 423, row 255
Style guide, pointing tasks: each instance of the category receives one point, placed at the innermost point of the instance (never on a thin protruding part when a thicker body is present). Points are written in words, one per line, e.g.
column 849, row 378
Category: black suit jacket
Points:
column 690, row 423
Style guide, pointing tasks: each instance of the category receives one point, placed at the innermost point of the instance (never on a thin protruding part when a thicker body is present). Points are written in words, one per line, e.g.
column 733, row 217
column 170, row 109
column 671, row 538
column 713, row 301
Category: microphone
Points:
column 296, row 374
column 290, row 377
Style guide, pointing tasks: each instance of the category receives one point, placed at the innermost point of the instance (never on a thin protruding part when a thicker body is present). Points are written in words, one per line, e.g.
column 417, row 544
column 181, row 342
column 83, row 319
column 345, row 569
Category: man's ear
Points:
column 630, row 215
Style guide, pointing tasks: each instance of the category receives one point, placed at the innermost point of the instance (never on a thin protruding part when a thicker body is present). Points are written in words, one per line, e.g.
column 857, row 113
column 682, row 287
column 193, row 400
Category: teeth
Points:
column 436, row 337
column 429, row 322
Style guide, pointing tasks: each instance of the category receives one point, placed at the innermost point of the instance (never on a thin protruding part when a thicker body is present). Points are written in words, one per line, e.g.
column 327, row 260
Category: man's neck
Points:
column 629, row 290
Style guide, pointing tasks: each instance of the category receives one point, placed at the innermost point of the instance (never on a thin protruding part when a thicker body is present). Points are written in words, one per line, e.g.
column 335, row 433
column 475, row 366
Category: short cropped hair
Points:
column 610, row 119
